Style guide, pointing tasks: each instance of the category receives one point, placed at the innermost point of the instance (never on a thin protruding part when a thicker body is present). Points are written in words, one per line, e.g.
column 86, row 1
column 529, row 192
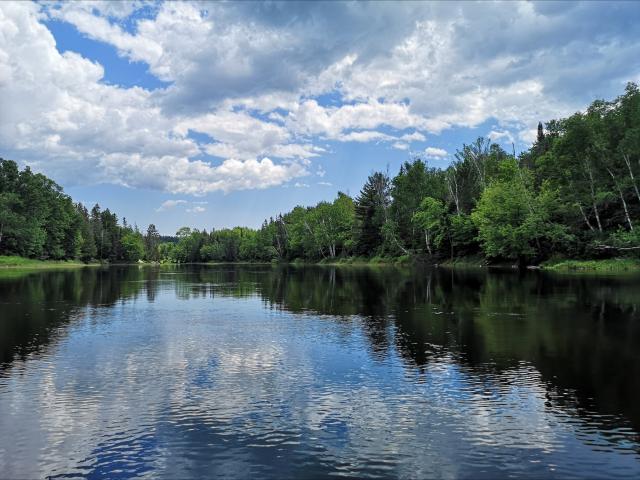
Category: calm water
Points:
column 245, row 371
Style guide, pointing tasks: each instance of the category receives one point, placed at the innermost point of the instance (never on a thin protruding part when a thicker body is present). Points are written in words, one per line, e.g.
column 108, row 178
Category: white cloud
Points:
column 364, row 136
column 239, row 135
column 503, row 136
column 435, row 153
column 169, row 204
column 310, row 118
column 59, row 117
column 325, row 184
column 250, row 78
column 196, row 209
column 301, row 185
column 413, row 137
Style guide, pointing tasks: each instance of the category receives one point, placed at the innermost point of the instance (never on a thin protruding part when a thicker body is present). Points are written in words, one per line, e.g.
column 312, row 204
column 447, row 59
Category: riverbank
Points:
column 610, row 265
column 13, row 262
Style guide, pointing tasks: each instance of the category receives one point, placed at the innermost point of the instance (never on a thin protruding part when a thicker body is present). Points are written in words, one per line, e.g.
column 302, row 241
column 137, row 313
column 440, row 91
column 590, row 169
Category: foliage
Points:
column 513, row 220
column 430, row 218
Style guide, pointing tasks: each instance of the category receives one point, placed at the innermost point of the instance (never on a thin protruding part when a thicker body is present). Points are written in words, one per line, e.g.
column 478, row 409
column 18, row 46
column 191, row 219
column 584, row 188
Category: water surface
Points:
column 282, row 372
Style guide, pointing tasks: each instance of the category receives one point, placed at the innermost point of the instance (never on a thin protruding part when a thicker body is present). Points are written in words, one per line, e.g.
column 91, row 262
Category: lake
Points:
column 305, row 372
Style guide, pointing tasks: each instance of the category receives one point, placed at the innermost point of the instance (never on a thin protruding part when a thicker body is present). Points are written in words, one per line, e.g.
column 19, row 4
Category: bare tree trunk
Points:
column 585, row 217
column 452, row 185
column 426, row 241
column 624, row 203
column 633, row 180
column 320, row 249
column 475, row 162
column 278, row 245
column 593, row 195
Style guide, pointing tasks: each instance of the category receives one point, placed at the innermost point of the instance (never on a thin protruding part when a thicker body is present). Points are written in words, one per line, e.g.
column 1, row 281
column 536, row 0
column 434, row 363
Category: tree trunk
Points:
column 452, row 185
column 633, row 180
column 585, row 217
column 397, row 242
column 426, row 241
column 624, row 203
column 593, row 195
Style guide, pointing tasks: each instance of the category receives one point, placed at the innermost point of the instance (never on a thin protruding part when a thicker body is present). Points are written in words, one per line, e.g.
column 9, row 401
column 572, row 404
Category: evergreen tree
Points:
column 88, row 249
column 371, row 213
column 151, row 243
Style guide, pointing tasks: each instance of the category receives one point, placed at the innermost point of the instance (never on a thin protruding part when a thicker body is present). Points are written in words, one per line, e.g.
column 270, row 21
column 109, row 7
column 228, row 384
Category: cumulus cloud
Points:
column 311, row 118
column 254, row 82
column 61, row 118
column 435, row 153
column 500, row 136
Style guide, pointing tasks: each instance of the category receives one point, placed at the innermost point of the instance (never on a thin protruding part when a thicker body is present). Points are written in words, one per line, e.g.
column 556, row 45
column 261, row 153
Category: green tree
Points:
column 88, row 249
column 10, row 221
column 371, row 207
column 430, row 219
column 132, row 246
column 151, row 243
column 513, row 220
column 414, row 182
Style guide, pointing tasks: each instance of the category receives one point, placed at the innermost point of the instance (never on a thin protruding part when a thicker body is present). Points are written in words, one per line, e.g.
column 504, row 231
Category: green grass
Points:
column 612, row 265
column 12, row 261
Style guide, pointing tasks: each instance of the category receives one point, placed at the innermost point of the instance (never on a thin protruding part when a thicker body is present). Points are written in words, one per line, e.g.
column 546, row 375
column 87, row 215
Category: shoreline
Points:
column 611, row 265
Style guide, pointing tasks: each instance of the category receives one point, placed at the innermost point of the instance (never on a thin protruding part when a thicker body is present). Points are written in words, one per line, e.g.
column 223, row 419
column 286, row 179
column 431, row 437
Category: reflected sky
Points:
column 239, row 371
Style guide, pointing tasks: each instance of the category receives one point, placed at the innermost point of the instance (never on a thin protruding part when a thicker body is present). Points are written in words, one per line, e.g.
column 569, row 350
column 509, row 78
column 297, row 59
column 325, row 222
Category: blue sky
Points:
column 223, row 114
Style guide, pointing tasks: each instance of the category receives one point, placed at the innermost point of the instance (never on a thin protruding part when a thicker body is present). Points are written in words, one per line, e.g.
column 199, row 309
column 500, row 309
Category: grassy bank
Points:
column 612, row 265
column 10, row 261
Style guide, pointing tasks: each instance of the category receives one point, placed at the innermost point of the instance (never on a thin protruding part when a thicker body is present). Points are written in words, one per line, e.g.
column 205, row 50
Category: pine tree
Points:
column 540, row 138
column 370, row 211
column 151, row 243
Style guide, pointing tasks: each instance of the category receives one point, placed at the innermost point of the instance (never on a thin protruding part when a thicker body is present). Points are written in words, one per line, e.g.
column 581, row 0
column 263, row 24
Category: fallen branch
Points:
column 611, row 247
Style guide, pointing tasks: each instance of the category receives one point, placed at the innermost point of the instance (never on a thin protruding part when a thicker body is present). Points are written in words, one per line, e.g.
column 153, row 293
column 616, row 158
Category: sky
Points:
column 213, row 115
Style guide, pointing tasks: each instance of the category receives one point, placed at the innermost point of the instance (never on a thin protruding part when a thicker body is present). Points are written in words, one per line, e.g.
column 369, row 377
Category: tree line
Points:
column 574, row 193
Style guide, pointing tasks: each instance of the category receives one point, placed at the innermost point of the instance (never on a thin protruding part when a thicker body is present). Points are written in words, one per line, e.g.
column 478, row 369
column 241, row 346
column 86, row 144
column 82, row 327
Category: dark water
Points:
column 307, row 372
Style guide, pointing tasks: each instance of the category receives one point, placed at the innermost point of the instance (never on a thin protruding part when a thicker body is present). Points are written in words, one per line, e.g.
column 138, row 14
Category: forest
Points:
column 573, row 194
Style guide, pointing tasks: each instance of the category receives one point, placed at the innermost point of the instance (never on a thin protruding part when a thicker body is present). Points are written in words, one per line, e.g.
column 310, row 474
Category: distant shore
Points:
column 611, row 265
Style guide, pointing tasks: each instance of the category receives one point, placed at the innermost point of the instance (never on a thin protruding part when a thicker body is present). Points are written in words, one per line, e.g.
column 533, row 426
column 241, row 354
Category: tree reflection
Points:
column 580, row 333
